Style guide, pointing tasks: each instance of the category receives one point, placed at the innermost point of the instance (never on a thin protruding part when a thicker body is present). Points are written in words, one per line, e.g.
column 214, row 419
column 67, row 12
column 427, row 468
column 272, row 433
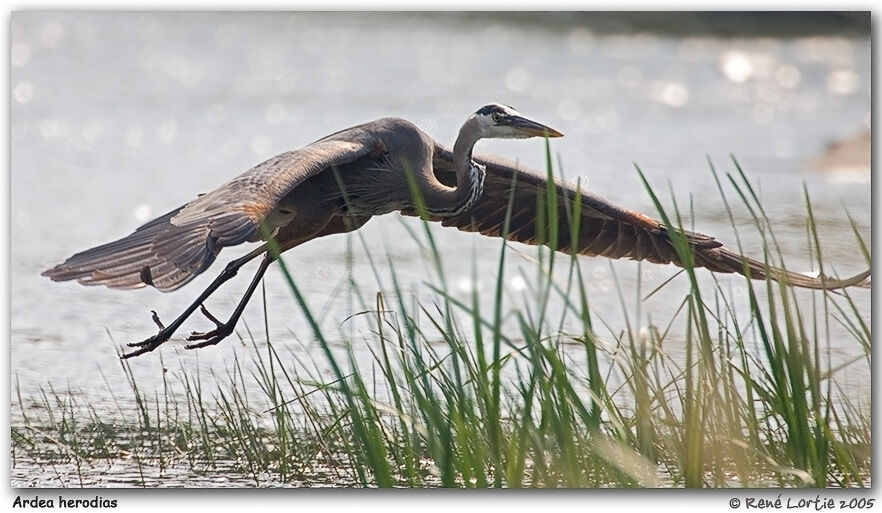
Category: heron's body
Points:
column 338, row 183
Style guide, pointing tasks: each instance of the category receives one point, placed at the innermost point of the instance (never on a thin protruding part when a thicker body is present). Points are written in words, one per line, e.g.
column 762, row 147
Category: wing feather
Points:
column 171, row 250
column 605, row 229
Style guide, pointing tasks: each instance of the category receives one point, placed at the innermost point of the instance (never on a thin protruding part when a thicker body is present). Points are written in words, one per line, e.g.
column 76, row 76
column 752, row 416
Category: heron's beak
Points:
column 524, row 127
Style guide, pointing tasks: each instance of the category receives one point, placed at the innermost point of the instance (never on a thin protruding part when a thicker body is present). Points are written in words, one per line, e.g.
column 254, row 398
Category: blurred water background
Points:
column 120, row 117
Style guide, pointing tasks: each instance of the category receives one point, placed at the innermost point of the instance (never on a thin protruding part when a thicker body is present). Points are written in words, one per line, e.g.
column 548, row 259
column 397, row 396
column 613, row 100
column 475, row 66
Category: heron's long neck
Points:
column 445, row 201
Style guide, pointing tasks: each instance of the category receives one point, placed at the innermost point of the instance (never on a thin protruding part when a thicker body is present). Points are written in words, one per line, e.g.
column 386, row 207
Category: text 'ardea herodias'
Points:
column 336, row 184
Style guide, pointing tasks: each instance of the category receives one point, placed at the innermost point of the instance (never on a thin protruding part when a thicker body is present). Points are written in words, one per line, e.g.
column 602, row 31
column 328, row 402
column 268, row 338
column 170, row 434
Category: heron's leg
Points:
column 224, row 330
column 165, row 332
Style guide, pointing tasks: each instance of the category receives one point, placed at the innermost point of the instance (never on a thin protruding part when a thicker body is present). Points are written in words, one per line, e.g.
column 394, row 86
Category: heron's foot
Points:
column 154, row 338
column 221, row 331
column 147, row 345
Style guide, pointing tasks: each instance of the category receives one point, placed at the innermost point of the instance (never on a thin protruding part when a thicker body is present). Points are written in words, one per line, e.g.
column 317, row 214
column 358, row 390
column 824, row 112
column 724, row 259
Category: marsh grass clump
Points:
column 721, row 395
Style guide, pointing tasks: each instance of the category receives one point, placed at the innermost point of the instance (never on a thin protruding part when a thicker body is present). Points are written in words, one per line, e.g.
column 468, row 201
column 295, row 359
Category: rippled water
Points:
column 117, row 118
column 133, row 474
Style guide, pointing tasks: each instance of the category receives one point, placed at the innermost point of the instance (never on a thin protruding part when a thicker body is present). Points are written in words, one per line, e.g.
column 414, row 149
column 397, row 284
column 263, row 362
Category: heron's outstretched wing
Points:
column 171, row 250
column 604, row 229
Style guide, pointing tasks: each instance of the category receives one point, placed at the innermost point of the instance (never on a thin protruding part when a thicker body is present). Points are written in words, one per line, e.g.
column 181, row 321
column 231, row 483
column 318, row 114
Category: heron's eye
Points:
column 495, row 117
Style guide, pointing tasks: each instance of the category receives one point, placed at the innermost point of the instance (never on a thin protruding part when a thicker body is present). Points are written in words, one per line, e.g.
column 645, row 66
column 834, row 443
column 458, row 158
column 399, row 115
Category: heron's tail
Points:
column 158, row 253
column 723, row 260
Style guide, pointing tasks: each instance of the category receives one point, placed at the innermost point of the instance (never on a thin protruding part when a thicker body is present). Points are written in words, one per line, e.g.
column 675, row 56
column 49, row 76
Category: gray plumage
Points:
column 337, row 183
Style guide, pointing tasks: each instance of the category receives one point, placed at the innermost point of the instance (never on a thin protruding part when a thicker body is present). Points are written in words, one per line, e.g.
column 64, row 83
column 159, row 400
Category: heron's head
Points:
column 502, row 122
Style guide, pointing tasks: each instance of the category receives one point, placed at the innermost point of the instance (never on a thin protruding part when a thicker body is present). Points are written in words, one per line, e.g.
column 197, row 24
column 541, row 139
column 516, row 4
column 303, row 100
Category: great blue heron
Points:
column 337, row 183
